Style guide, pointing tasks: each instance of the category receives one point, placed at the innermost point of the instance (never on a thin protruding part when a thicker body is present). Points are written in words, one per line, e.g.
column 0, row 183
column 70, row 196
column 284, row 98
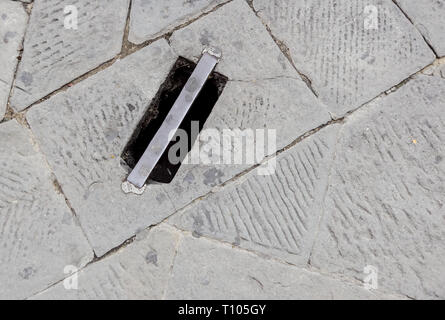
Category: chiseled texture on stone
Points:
column 139, row 271
column 13, row 20
column 347, row 63
column 53, row 55
column 429, row 17
column 206, row 269
column 275, row 215
column 101, row 113
column 38, row 235
column 150, row 18
column 264, row 91
column 249, row 53
column 83, row 132
column 282, row 104
column 385, row 203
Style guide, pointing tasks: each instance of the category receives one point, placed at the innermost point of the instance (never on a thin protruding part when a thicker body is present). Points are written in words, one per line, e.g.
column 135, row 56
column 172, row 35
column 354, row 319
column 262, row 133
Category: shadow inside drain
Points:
column 165, row 171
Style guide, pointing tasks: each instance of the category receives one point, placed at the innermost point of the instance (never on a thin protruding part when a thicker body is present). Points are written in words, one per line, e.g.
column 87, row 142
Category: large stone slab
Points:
column 38, row 235
column 13, row 20
column 150, row 18
column 139, row 271
column 264, row 91
column 275, row 215
column 54, row 55
column 336, row 44
column 206, row 269
column 83, row 132
column 428, row 17
column 281, row 104
column 101, row 113
column 249, row 53
column 385, row 203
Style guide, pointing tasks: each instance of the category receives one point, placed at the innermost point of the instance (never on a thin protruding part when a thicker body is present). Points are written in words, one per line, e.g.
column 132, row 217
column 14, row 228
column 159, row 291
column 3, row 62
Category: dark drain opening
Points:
column 158, row 110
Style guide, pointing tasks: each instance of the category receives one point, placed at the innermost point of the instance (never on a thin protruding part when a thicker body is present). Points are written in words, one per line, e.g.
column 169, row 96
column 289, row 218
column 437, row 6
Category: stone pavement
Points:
column 355, row 90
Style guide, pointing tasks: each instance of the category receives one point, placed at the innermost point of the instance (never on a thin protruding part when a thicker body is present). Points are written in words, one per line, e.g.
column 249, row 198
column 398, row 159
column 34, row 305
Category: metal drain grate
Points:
column 184, row 97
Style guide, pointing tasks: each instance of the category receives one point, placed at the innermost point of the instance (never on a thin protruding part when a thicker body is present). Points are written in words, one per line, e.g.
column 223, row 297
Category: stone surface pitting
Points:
column 349, row 64
column 38, row 235
column 276, row 215
column 429, row 17
column 54, row 56
column 150, row 18
column 205, row 269
column 385, row 203
column 13, row 19
column 83, row 131
column 140, row 271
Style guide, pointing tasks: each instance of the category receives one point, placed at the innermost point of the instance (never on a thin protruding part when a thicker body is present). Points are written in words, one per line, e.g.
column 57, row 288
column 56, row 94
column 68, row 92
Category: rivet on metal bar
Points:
column 135, row 182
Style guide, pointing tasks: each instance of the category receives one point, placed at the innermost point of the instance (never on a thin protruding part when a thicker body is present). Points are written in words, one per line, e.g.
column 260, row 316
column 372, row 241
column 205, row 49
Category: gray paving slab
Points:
column 264, row 91
column 366, row 192
column 275, row 215
column 4, row 94
column 249, row 53
column 206, row 269
column 38, row 235
column 91, row 178
column 13, row 19
column 385, row 203
column 150, row 19
column 139, row 271
column 282, row 104
column 83, row 132
column 349, row 59
column 55, row 53
column 440, row 71
column 428, row 17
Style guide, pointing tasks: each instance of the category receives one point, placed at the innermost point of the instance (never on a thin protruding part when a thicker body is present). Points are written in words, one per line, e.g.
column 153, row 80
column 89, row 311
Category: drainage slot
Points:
column 158, row 110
